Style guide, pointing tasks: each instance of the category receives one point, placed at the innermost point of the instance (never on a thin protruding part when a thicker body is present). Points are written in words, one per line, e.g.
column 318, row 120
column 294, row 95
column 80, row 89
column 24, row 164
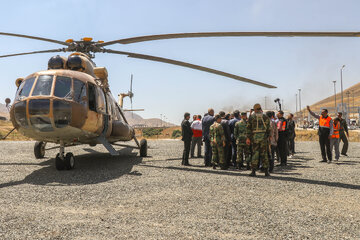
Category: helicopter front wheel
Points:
column 39, row 149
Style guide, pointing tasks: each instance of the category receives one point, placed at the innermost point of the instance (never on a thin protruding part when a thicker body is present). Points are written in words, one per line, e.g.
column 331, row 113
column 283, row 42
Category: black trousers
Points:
column 344, row 139
column 282, row 146
column 208, row 152
column 291, row 144
column 228, row 153
column 234, row 151
column 325, row 146
column 271, row 157
column 185, row 157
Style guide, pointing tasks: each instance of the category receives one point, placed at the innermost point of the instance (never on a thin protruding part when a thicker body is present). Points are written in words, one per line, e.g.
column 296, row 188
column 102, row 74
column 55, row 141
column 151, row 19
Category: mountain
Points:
column 3, row 111
column 352, row 99
column 136, row 120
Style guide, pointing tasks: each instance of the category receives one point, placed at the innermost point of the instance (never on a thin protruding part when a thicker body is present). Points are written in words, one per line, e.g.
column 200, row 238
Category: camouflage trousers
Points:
column 260, row 151
column 218, row 155
column 243, row 151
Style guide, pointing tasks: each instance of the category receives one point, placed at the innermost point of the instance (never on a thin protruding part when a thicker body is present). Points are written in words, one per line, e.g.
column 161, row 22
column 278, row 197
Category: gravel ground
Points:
column 129, row 197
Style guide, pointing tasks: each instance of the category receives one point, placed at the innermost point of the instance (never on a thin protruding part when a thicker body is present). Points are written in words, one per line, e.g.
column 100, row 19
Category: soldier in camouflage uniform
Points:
column 258, row 132
column 243, row 150
column 217, row 138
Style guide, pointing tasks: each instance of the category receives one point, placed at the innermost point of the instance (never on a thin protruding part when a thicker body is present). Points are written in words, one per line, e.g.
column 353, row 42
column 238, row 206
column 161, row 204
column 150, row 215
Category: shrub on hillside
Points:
column 149, row 132
column 176, row 133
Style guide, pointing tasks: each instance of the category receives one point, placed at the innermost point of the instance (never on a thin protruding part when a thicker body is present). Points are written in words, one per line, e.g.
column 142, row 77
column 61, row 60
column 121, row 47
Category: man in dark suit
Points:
column 186, row 134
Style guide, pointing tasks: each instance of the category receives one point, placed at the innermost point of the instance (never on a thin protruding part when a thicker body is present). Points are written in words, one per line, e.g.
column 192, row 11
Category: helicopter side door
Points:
column 96, row 102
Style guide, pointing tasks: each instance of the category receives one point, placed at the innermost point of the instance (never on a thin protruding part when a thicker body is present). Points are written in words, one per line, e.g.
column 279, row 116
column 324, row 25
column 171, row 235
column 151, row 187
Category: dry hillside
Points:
column 329, row 102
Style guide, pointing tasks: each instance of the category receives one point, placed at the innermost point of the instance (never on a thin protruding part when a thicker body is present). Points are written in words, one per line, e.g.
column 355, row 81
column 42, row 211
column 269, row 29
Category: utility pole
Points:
column 353, row 100
column 349, row 109
column 265, row 103
column 342, row 96
column 301, row 113
column 335, row 96
column 296, row 103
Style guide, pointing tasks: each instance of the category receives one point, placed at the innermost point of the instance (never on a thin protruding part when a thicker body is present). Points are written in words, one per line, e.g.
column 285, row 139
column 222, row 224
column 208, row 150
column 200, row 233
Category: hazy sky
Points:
column 289, row 63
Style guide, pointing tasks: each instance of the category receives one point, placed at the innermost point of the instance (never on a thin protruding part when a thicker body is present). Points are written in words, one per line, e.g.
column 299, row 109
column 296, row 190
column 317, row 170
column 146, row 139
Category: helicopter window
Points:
column 79, row 91
column 43, row 124
column 63, row 87
column 25, row 88
column 43, row 85
column 39, row 106
column 20, row 113
column 62, row 113
column 92, row 98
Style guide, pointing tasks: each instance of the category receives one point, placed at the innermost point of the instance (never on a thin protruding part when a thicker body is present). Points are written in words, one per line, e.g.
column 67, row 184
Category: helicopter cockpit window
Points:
column 79, row 91
column 63, row 87
column 43, row 85
column 24, row 89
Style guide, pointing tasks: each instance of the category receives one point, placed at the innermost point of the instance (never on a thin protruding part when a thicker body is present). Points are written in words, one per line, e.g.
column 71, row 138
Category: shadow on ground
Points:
column 280, row 178
column 90, row 168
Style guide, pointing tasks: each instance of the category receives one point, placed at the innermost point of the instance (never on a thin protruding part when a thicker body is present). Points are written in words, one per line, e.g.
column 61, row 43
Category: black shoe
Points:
column 214, row 166
column 323, row 161
column 187, row 164
column 344, row 154
column 200, row 156
column 253, row 173
column 192, row 156
column 267, row 174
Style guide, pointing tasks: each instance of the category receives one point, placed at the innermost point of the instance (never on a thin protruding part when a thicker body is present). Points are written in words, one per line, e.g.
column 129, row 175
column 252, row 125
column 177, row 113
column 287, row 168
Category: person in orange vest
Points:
column 282, row 143
column 335, row 138
column 325, row 132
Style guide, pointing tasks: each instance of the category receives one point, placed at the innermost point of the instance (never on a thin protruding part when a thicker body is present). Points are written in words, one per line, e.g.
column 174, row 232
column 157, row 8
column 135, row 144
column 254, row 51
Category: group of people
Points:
column 235, row 139
column 331, row 132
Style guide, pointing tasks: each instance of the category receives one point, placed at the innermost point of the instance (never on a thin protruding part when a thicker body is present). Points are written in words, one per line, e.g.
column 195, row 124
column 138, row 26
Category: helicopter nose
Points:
column 43, row 114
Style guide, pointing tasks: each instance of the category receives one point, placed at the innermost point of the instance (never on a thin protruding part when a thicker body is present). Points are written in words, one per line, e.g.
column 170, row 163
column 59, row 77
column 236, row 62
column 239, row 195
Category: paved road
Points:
column 129, row 197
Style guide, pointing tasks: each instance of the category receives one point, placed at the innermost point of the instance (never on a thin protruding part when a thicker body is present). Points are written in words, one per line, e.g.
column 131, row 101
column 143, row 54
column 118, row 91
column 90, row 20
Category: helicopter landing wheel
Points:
column 69, row 161
column 143, row 148
column 59, row 163
column 39, row 149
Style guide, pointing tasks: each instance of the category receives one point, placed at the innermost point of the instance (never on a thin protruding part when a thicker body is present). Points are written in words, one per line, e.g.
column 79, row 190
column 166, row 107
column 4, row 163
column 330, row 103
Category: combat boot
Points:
column 253, row 173
column 267, row 174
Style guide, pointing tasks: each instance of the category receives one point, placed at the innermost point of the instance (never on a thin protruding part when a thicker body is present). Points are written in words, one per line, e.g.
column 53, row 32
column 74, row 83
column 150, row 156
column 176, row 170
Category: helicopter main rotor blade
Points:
column 188, row 65
column 230, row 34
column 36, row 38
column 27, row 53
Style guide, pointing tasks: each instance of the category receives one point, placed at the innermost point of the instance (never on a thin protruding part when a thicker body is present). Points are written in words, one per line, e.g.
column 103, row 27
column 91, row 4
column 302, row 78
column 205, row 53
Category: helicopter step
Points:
column 108, row 146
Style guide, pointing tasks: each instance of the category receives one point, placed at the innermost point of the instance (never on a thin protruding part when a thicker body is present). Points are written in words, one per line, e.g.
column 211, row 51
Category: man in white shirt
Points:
column 196, row 127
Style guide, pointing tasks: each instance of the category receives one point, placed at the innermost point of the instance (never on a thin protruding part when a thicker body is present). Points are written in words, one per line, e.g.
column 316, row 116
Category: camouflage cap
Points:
column 257, row 106
column 217, row 116
column 243, row 113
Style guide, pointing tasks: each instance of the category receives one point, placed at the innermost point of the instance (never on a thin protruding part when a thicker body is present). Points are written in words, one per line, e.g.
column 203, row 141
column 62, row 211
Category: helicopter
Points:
column 70, row 103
